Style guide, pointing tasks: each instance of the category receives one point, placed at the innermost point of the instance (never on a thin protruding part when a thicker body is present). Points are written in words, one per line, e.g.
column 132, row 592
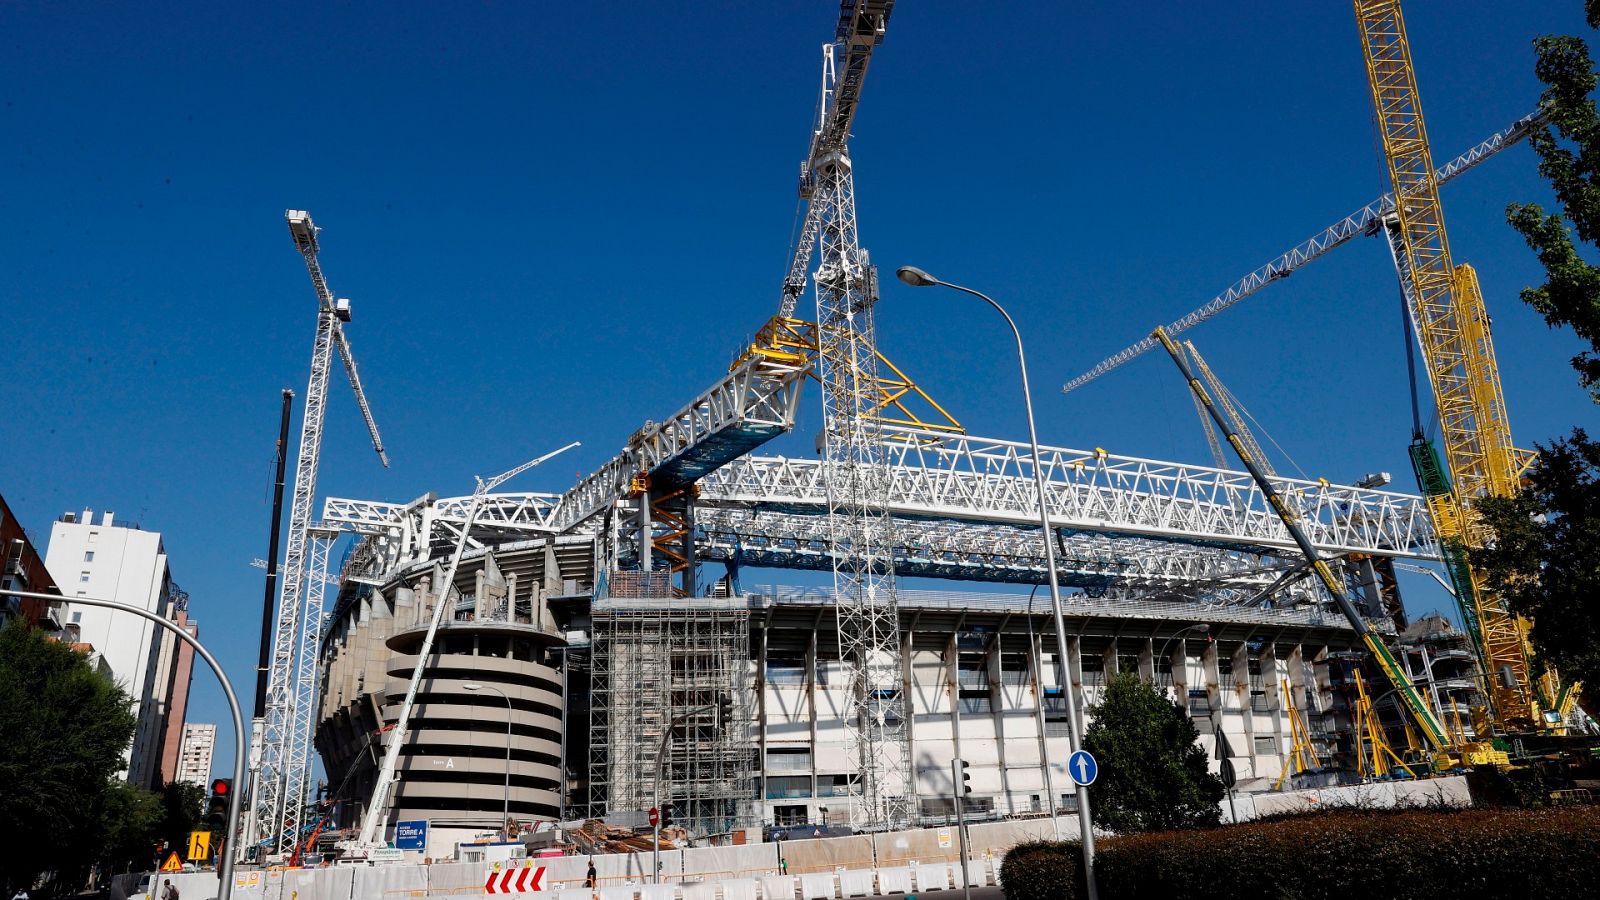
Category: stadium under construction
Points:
column 606, row 650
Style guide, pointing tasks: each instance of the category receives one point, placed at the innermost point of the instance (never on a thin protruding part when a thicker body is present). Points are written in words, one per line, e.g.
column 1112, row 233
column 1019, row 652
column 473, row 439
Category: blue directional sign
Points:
column 412, row 835
column 1082, row 768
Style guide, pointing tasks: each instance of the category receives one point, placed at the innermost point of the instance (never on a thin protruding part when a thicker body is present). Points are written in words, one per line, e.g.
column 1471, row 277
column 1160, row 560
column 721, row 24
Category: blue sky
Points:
column 556, row 221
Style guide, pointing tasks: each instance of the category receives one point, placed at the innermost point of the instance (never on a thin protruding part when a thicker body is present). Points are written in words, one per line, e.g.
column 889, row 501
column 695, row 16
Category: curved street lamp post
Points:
column 505, row 803
column 918, row 278
column 240, row 745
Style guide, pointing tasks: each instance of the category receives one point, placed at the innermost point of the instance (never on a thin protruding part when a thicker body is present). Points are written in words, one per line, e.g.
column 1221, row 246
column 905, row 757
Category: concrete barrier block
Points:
column 658, row 892
column 778, row 887
column 816, row 885
column 855, row 882
column 933, row 877
column 894, row 881
column 739, row 889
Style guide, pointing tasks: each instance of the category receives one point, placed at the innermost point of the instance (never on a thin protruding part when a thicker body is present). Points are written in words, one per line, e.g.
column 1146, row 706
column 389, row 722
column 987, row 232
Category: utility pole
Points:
column 258, row 718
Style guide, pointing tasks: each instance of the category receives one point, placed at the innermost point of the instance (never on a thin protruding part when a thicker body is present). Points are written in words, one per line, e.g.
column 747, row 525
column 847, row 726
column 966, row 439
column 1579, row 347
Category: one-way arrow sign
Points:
column 1082, row 768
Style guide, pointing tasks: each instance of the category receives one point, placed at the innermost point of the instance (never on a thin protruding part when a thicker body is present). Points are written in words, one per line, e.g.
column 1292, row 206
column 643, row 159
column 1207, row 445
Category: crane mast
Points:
column 280, row 784
column 860, row 531
column 1452, row 327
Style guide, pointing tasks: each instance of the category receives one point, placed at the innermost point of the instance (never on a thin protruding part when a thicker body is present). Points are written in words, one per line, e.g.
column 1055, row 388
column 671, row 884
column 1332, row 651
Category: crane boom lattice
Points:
column 1452, row 328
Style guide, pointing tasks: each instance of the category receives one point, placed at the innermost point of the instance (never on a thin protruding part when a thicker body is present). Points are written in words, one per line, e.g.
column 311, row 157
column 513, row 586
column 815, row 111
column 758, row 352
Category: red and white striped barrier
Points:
column 517, row 881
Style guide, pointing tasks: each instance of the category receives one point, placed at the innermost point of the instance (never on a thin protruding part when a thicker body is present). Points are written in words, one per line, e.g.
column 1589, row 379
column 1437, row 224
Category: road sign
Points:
column 1227, row 775
column 1082, row 768
column 199, row 846
column 411, row 834
column 655, row 816
column 173, row 864
column 517, row 881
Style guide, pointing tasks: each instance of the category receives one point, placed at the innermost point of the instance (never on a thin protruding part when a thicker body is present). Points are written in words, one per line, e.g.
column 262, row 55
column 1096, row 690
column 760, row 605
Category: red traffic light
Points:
column 221, row 786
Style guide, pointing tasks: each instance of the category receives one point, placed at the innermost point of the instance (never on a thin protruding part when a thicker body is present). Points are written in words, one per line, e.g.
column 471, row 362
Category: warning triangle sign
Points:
column 173, row 864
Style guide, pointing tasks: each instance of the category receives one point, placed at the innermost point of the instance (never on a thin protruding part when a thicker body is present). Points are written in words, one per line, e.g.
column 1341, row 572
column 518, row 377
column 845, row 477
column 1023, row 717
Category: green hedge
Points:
column 1343, row 854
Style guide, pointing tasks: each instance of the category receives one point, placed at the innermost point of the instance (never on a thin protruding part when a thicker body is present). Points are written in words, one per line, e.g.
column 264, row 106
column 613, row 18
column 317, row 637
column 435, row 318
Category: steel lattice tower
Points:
column 860, row 531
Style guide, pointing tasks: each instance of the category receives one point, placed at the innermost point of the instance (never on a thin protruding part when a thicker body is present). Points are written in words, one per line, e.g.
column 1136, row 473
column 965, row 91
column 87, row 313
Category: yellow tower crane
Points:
column 1452, row 326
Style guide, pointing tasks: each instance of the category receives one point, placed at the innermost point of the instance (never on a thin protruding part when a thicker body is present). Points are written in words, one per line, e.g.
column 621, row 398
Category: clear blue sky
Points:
column 558, row 220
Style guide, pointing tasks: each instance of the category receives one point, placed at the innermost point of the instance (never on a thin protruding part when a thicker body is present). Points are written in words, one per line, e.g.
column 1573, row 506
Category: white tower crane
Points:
column 281, row 772
column 860, row 532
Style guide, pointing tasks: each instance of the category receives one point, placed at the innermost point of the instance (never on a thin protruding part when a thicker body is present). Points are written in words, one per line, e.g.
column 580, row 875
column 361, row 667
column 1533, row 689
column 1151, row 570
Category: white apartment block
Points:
column 128, row 565
column 194, row 758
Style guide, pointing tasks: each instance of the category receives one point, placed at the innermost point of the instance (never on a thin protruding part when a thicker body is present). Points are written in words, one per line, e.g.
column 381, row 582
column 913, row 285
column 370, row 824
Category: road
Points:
column 978, row 893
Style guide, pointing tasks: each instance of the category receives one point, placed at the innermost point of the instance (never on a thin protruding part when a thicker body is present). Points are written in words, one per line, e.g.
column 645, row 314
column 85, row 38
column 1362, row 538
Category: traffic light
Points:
column 966, row 778
column 666, row 816
column 217, row 803
column 725, row 710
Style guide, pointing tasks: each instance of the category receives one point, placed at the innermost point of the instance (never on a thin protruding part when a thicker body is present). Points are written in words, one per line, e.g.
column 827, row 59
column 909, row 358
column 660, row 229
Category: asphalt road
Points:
column 978, row 893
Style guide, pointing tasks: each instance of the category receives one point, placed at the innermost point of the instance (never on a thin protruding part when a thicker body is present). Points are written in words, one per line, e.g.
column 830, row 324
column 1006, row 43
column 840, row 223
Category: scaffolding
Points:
column 660, row 663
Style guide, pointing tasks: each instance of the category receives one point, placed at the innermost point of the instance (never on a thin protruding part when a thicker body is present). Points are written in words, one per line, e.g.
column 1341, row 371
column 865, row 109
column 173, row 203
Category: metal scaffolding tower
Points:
column 659, row 665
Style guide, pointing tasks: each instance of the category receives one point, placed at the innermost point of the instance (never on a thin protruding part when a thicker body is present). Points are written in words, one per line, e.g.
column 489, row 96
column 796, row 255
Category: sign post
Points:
column 1225, row 771
column 199, row 846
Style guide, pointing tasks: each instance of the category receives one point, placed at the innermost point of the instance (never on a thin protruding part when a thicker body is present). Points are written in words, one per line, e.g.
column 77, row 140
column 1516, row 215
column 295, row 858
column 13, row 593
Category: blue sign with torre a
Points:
column 412, row 835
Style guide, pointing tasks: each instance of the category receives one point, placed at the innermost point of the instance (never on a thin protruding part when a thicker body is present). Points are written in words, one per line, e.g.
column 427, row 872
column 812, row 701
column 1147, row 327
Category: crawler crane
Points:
column 1447, row 311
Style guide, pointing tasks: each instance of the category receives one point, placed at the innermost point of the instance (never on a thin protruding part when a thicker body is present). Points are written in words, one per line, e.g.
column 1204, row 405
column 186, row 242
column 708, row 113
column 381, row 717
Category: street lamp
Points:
column 505, row 809
column 918, row 278
column 240, row 743
column 1198, row 626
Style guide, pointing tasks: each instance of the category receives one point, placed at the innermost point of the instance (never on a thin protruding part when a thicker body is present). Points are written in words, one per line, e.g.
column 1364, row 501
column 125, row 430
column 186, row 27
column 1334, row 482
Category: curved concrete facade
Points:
column 497, row 633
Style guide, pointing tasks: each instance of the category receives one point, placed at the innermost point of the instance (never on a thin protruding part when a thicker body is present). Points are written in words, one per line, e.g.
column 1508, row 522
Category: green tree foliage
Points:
column 1545, row 559
column 183, row 805
column 1569, row 157
column 1153, row 771
column 63, row 729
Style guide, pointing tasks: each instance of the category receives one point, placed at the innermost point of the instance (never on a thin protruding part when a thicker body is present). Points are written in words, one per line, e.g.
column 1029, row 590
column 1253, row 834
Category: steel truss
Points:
column 1364, row 221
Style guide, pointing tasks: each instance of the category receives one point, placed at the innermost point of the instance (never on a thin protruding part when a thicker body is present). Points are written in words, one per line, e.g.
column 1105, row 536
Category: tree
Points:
column 1153, row 773
column 1545, row 559
column 63, row 730
column 1569, row 157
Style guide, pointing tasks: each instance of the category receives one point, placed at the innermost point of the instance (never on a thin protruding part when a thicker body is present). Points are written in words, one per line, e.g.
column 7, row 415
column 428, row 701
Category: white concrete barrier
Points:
column 619, row 892
column 977, row 873
column 855, row 883
column 704, row 890
column 816, row 885
column 777, row 887
column 575, row 894
column 933, row 877
column 658, row 891
column 894, row 881
column 739, row 889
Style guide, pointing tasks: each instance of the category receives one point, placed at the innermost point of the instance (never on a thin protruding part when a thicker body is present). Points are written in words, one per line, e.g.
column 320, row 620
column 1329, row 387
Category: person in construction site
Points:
column 589, row 882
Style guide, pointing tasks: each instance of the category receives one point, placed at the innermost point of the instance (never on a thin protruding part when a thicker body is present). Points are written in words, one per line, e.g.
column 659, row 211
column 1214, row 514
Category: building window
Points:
column 1259, row 702
column 77, row 617
column 786, row 671
column 789, row 815
column 88, row 556
column 1199, row 702
column 94, row 536
column 1266, row 746
column 83, row 577
column 975, row 702
column 788, row 759
column 1069, row 804
column 789, row 787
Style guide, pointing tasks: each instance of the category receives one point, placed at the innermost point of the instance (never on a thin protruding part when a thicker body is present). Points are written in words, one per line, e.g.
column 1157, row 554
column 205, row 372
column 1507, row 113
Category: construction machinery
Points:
column 1444, row 753
column 280, row 771
column 1446, row 310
